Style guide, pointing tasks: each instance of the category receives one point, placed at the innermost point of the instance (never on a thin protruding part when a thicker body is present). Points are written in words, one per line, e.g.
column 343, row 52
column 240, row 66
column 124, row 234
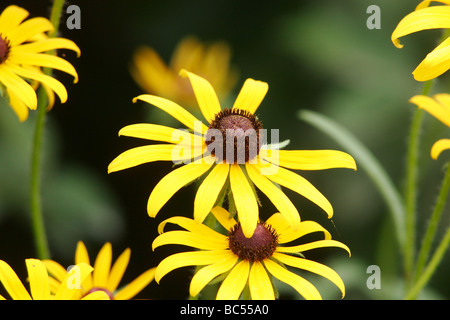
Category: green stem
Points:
column 430, row 268
column 432, row 225
column 411, row 185
column 37, row 218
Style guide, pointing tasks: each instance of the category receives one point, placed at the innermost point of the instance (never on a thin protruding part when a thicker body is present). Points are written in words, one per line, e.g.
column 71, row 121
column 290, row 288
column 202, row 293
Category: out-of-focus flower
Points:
column 246, row 261
column 104, row 277
column 424, row 18
column 439, row 107
column 211, row 61
column 40, row 283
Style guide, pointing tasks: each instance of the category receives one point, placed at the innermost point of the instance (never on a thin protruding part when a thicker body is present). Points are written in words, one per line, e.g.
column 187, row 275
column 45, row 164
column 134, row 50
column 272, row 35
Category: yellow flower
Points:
column 104, row 277
column 246, row 261
column 211, row 61
column 22, row 47
column 424, row 18
column 241, row 165
column 439, row 107
column 40, row 283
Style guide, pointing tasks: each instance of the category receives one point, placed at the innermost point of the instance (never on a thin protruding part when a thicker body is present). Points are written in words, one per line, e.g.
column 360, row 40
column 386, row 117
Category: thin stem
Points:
column 432, row 225
column 411, row 185
column 37, row 218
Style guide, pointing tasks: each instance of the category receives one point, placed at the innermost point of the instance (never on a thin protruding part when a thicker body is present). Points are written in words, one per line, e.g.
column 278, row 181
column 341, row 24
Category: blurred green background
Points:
column 315, row 55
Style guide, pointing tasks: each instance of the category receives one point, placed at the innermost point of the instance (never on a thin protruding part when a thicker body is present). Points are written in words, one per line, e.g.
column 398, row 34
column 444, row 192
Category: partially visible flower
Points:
column 211, row 61
column 439, row 107
column 231, row 152
column 246, row 261
column 40, row 283
column 22, row 55
column 424, row 18
column 104, row 277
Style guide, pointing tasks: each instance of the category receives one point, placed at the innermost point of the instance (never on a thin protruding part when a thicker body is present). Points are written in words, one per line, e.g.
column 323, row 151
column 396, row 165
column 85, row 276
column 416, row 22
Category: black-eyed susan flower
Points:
column 105, row 278
column 211, row 61
column 40, row 283
column 439, row 107
column 246, row 261
column 230, row 152
column 424, row 18
column 23, row 44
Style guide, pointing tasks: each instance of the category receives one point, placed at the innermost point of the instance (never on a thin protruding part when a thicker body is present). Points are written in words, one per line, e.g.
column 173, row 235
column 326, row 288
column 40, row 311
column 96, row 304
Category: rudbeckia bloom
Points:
column 211, row 61
column 424, row 18
column 230, row 151
column 40, row 283
column 22, row 47
column 104, row 278
column 246, row 261
column 439, row 107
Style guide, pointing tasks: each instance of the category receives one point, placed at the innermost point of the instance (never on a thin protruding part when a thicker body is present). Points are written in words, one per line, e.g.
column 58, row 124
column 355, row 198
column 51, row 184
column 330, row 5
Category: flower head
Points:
column 246, row 261
column 211, row 61
column 439, row 107
column 231, row 152
column 424, row 18
column 104, row 278
column 22, row 55
column 41, row 283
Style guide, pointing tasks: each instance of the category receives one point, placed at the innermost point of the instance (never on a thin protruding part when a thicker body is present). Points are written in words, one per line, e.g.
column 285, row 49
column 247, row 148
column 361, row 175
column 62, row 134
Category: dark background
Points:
column 315, row 55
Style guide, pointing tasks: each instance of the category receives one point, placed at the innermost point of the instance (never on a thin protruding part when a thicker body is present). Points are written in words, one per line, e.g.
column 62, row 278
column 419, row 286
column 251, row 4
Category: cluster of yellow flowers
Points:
column 234, row 242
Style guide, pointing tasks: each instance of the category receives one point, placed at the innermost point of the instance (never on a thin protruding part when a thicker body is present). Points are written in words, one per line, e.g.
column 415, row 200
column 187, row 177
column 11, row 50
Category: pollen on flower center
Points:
column 4, row 49
column 260, row 246
column 234, row 136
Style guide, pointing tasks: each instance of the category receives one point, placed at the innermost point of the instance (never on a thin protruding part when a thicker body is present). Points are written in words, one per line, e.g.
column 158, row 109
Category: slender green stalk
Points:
column 432, row 225
column 411, row 185
column 37, row 218
column 430, row 268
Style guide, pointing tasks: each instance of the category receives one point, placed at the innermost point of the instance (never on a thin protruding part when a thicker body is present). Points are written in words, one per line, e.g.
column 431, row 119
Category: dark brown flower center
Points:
column 4, row 49
column 234, row 136
column 260, row 246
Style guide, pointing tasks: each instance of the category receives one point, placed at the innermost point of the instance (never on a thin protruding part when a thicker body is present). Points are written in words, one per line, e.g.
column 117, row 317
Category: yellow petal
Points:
column 18, row 106
column 48, row 45
column 11, row 17
column 51, row 82
column 194, row 240
column 303, row 287
column 69, row 289
column 438, row 147
column 259, row 282
column 276, row 196
column 245, row 200
column 189, row 225
column 206, row 96
column 96, row 295
column 224, row 218
column 12, row 283
column 297, row 183
column 312, row 266
column 176, row 111
column 234, row 283
column 82, row 256
column 28, row 29
column 251, row 95
column 426, row 3
column 427, row 18
column 311, row 159
column 435, row 63
column 44, row 60
column 313, row 245
column 135, row 286
column 102, row 266
column 209, row 190
column 146, row 154
column 38, row 278
column 19, row 87
column 438, row 106
column 55, row 269
column 173, row 182
column 184, row 259
column 206, row 274
column 287, row 234
column 118, row 270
